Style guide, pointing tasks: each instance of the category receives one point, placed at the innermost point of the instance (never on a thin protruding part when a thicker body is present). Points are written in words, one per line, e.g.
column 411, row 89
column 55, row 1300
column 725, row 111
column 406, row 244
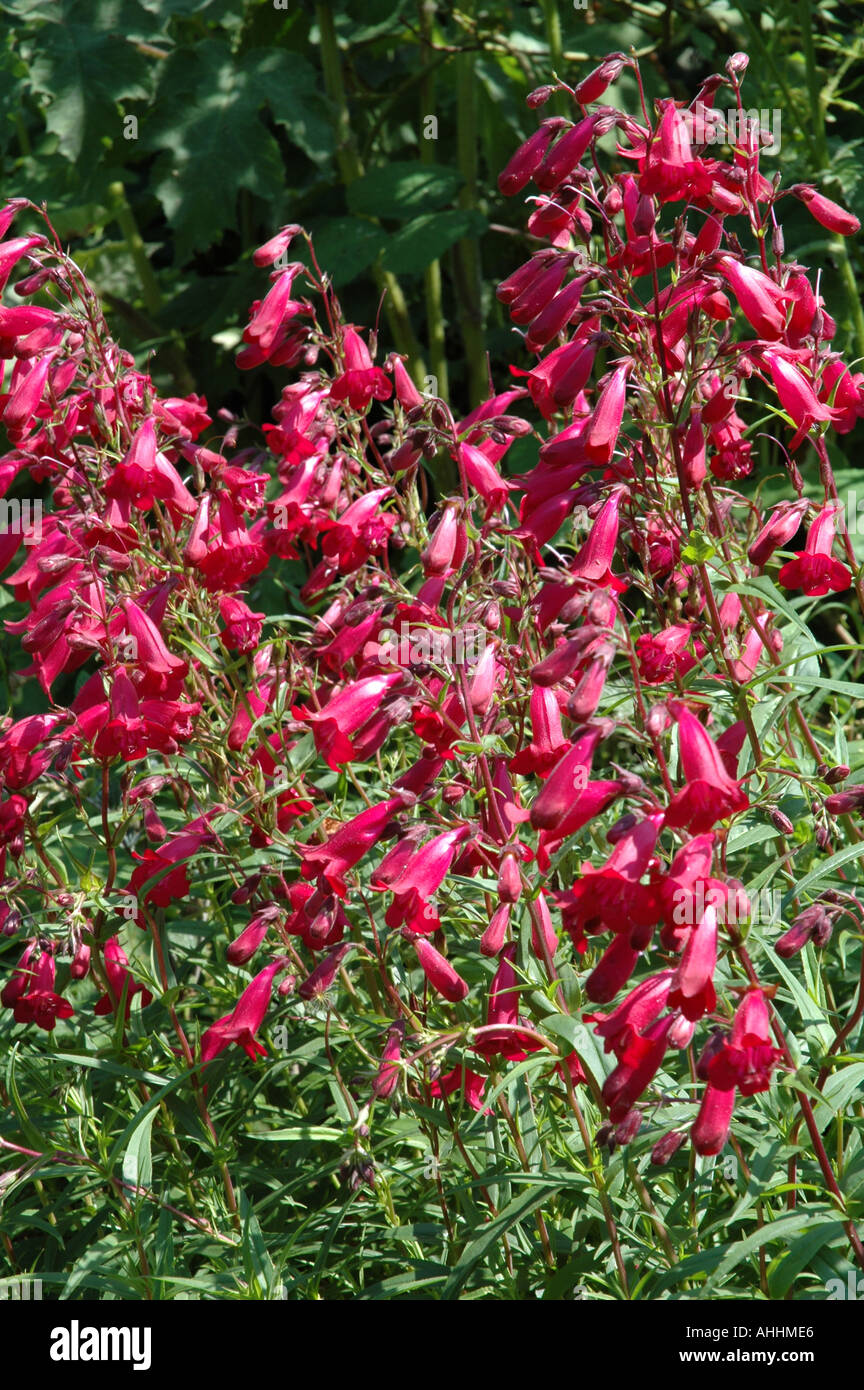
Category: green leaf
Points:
column 206, row 120
column 86, row 68
column 427, row 237
column 292, row 90
column 346, row 246
column 838, row 1091
column 491, row 1234
column 137, row 1160
column 698, row 549
column 800, row 1253
column 403, row 189
column 828, row 867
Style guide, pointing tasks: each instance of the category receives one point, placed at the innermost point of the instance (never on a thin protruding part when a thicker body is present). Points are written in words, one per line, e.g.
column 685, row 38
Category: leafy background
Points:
column 169, row 139
column 250, row 115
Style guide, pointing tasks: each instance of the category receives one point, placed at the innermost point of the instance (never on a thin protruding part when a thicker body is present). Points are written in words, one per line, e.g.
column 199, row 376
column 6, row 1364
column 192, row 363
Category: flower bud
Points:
column 781, row 822
column 628, row 1128
column 836, row 774
column 495, row 934
column 667, row 1147
column 592, row 87
column 80, row 962
column 841, row 803
column 539, row 96
column 509, row 880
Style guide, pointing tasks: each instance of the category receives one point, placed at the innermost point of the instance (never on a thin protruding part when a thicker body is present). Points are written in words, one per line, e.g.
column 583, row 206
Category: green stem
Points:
column 435, row 327
column 467, row 252
column 150, row 292
column 552, row 23
column 351, row 168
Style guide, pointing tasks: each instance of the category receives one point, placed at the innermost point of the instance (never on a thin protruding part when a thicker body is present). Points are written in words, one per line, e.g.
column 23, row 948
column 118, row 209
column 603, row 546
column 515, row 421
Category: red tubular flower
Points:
column 592, row 87
column 639, row 1064
column 361, row 381
column 814, row 569
column 745, row 1061
column 12, row 813
column 244, row 946
column 437, row 969
column 641, row 1006
column 120, row 980
column 693, row 986
column 420, row 879
column 797, row 396
column 605, row 424
column 566, row 782
column 38, row 1003
column 547, row 738
column 522, row 165
column 274, row 248
column 464, row 1080
column 667, row 654
column 172, row 857
column 495, row 934
column 762, row 300
column 22, row 977
column 592, row 802
column 234, row 554
column 266, row 329
column 594, row 560
column 145, row 475
column 241, row 1025
column 347, row 845
column 360, row 531
column 502, row 1015
column 324, row 974
column 242, row 630
column 344, row 714
column 709, row 793
column 711, row 1128
column 156, row 670
column 613, row 897
column 565, row 155
column 613, row 970
column 669, row 169
column 482, row 475
column 389, row 1071
column 780, row 527
column 828, row 214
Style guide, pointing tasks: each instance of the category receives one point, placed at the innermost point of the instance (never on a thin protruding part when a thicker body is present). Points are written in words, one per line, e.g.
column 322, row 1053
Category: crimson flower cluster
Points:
column 459, row 830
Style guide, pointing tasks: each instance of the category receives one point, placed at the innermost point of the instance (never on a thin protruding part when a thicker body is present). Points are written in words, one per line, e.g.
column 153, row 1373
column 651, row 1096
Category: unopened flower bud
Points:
column 628, row 1128
column 841, row 803
column 800, row 932
column 495, row 934
column 80, row 962
column 539, row 96
column 594, row 85
column 836, row 774
column 667, row 1147
column 781, row 822
column 509, row 880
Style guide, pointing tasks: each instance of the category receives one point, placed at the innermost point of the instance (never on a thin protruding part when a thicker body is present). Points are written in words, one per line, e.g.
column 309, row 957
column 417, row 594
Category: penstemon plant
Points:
column 523, row 839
